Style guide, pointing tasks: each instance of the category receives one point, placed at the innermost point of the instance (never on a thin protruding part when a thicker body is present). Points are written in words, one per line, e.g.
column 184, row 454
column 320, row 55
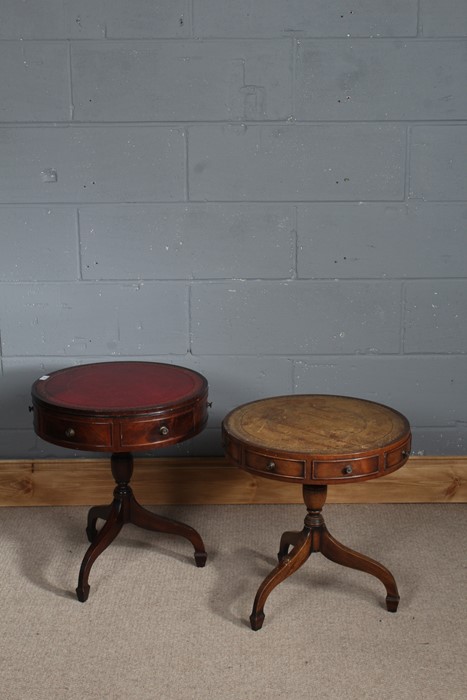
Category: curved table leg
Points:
column 339, row 553
column 286, row 567
column 150, row 521
column 94, row 514
column 104, row 537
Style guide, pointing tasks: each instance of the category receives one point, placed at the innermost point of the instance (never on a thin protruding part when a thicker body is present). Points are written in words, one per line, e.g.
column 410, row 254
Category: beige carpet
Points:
column 156, row 627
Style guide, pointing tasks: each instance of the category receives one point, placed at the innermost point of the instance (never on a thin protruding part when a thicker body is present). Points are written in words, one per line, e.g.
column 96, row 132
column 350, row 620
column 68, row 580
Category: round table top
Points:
column 119, row 386
column 314, row 424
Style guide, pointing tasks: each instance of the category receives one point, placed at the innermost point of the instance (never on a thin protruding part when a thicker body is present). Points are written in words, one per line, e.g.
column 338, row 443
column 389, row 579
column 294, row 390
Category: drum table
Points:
column 121, row 407
column 316, row 440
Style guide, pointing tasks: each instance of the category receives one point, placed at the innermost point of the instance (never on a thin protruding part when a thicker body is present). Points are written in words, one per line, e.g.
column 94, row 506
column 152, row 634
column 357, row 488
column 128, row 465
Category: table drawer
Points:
column 75, row 432
column 397, row 457
column 336, row 470
column 281, row 467
column 154, row 430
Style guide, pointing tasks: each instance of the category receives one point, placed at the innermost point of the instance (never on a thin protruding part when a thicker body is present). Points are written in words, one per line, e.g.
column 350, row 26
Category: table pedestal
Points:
column 315, row 537
column 126, row 509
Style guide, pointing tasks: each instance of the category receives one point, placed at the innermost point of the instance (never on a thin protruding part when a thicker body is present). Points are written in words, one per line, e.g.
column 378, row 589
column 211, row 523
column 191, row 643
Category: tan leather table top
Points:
column 315, row 438
column 316, row 424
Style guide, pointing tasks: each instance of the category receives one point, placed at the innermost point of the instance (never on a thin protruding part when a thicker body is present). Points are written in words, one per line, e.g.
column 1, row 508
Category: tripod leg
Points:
column 104, row 537
column 286, row 567
column 150, row 521
column 339, row 553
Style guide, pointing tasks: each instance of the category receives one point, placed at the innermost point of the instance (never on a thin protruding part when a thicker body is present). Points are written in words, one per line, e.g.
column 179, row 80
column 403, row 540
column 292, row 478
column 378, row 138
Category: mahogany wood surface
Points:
column 121, row 407
column 316, row 440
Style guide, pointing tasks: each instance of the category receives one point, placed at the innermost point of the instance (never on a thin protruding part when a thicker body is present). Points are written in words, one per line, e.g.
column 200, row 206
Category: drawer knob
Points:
column 271, row 466
column 164, row 430
column 69, row 433
column 348, row 469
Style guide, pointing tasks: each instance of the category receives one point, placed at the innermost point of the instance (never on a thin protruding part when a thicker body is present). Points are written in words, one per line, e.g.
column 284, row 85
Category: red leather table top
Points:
column 120, row 406
column 119, row 386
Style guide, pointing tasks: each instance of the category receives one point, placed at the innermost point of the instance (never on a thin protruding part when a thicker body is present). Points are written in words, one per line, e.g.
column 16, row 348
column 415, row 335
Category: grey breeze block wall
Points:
column 270, row 192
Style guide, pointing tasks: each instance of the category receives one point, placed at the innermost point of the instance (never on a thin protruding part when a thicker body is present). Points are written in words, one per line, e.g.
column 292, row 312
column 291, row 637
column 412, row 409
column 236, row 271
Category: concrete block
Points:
column 38, row 243
column 292, row 318
column 297, row 162
column 198, row 241
column 94, row 19
column 34, row 82
column 92, row 164
column 446, row 18
column 322, row 18
column 129, row 19
column 436, row 316
column 437, row 162
column 429, row 390
column 384, row 79
column 165, row 81
column 367, row 240
column 88, row 319
column 30, row 19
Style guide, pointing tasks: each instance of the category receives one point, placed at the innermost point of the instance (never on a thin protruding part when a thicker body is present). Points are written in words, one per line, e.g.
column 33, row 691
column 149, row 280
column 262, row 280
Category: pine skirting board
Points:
column 213, row 481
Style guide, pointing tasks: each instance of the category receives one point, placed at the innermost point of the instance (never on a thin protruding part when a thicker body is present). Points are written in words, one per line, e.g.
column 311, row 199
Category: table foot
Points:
column 391, row 603
column 340, row 554
column 286, row 567
column 200, row 559
column 256, row 621
column 83, row 593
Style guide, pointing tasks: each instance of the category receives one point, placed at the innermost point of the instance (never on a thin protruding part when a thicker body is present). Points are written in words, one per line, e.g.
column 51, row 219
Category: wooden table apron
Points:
column 315, row 440
column 121, row 407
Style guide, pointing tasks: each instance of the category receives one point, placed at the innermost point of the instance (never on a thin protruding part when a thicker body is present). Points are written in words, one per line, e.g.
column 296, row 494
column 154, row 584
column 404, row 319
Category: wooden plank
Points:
column 421, row 480
column 214, row 481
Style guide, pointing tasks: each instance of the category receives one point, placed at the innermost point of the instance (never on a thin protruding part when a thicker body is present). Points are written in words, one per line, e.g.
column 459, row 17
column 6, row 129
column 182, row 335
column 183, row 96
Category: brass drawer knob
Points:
column 271, row 466
column 164, row 430
column 69, row 433
column 348, row 469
